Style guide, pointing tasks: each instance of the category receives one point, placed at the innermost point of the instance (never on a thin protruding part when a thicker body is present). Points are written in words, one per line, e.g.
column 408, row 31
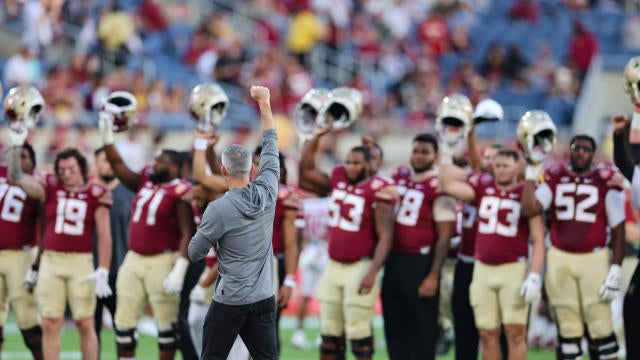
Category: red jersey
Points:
column 69, row 215
column 210, row 259
column 577, row 204
column 287, row 200
column 352, row 233
column 415, row 226
column 18, row 215
column 154, row 225
column 503, row 233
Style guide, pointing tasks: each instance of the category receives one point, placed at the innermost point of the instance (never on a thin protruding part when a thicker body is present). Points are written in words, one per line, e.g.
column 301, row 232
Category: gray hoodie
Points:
column 240, row 224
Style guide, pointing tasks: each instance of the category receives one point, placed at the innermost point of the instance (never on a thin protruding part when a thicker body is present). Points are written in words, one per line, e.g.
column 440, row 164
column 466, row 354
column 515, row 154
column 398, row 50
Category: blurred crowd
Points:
column 114, row 41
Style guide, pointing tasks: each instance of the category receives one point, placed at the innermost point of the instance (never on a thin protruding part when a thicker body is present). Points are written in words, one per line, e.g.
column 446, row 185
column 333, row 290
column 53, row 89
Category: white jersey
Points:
column 315, row 217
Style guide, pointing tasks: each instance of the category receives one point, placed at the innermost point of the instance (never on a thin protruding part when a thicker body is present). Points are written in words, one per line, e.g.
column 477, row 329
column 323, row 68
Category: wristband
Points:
column 289, row 281
column 532, row 172
column 200, row 144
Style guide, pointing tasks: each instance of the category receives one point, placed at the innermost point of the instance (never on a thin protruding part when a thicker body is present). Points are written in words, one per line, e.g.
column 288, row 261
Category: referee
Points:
column 240, row 225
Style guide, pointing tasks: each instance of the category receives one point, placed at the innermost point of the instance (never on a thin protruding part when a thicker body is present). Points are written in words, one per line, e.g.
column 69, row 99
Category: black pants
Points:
column 410, row 322
column 464, row 323
column 256, row 324
column 110, row 303
column 631, row 314
column 190, row 280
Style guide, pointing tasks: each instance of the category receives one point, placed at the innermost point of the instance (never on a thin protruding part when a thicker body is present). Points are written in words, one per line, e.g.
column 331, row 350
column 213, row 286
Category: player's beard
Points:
column 107, row 178
column 421, row 170
column 361, row 176
column 160, row 177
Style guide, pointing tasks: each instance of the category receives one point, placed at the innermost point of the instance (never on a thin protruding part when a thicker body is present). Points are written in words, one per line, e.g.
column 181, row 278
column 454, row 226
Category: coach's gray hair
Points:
column 237, row 160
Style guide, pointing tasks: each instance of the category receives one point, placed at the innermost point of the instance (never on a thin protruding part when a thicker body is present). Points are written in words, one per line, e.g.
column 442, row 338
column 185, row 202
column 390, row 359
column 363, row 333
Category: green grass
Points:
column 147, row 348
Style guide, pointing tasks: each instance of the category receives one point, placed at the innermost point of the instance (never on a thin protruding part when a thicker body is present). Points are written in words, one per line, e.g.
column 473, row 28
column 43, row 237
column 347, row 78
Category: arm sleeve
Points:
column 544, row 195
column 207, row 234
column 621, row 157
column 269, row 162
column 614, row 205
column 444, row 209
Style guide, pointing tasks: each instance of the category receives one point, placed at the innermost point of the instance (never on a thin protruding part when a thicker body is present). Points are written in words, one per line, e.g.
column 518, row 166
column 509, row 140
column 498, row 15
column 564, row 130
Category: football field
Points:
column 14, row 348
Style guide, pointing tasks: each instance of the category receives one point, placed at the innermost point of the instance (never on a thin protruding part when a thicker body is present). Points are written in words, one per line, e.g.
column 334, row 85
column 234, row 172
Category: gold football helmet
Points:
column 632, row 79
column 341, row 109
column 23, row 106
column 536, row 134
column 453, row 117
column 306, row 112
column 208, row 105
column 123, row 106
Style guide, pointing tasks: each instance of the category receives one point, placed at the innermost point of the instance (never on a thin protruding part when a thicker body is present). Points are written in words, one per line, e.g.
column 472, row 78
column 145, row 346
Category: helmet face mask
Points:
column 454, row 116
column 306, row 112
column 23, row 107
column 341, row 109
column 208, row 105
column 632, row 79
column 123, row 106
column 536, row 134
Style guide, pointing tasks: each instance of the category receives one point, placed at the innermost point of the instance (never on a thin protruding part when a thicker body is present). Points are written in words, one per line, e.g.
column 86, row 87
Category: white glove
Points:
column 18, row 134
column 30, row 279
column 101, row 276
column 531, row 287
column 105, row 123
column 611, row 286
column 532, row 172
column 173, row 282
column 198, row 294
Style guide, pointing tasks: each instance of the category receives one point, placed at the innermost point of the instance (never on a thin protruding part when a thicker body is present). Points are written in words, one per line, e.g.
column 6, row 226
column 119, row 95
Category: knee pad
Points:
column 32, row 338
column 168, row 337
column 569, row 348
column 332, row 345
column 362, row 347
column 126, row 342
column 604, row 348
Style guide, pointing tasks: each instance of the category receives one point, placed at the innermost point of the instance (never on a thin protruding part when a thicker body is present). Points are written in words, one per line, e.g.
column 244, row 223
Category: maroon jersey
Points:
column 502, row 232
column 352, row 234
column 154, row 225
column 69, row 215
column 415, row 226
column 287, row 200
column 18, row 215
column 210, row 259
column 577, row 207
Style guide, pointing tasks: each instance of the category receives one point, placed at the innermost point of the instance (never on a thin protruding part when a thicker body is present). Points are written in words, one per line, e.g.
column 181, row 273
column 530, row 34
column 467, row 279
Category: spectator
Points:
column 434, row 34
column 22, row 68
column 631, row 34
column 514, row 62
column 115, row 28
column 543, row 68
column 305, row 29
column 152, row 17
column 39, row 23
column 583, row 46
column 494, row 64
column 525, row 10
column 206, row 63
column 230, row 62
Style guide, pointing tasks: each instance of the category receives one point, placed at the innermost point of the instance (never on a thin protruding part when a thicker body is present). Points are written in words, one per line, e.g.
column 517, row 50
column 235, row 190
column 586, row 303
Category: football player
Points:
column 73, row 208
column 161, row 226
column 583, row 200
column 312, row 229
column 119, row 219
column 500, row 288
column 360, row 237
column 18, row 216
column 424, row 225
